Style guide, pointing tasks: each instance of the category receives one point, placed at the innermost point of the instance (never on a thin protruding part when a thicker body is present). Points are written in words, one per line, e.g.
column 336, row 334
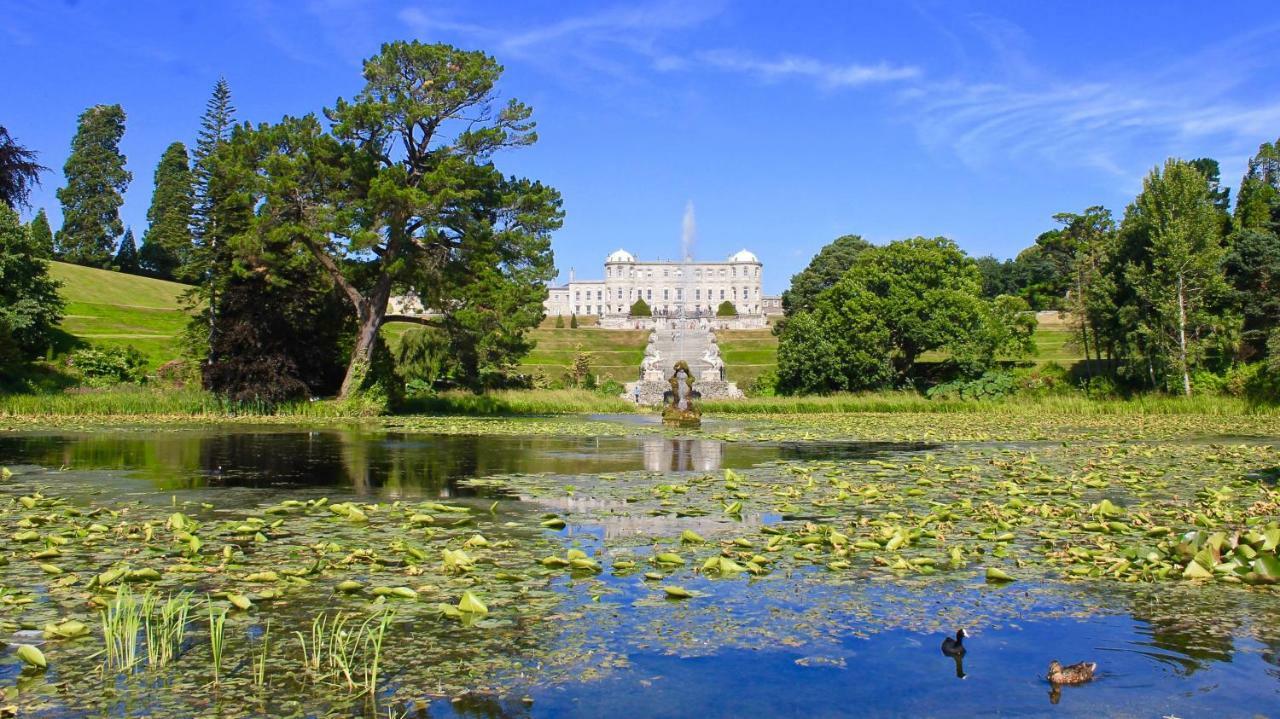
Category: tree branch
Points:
column 412, row 319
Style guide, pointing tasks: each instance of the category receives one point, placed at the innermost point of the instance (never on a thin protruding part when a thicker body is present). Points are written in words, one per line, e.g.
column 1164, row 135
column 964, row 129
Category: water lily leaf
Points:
column 689, row 536
column 32, row 656
column 555, row 562
column 674, row 592
column 554, row 523
column 471, row 604
column 240, row 601
column 668, row 558
column 70, row 629
column 995, row 574
column 264, row 576
column 1195, row 570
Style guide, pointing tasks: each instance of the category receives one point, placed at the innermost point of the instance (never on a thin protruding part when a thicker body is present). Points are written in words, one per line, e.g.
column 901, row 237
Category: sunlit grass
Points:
column 1016, row 405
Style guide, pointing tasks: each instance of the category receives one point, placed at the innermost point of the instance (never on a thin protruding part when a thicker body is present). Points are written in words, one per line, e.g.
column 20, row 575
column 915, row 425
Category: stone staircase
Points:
column 690, row 345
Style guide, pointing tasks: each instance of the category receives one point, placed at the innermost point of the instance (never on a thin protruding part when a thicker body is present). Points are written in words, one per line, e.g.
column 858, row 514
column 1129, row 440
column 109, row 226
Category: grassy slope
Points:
column 615, row 354
column 113, row 309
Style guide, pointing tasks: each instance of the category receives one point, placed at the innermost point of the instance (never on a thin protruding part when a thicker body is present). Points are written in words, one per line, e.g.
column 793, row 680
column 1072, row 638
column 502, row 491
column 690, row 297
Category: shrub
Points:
column 991, row 385
column 559, row 322
column 766, row 385
column 640, row 308
column 573, row 321
column 611, row 387
column 726, row 309
column 105, row 366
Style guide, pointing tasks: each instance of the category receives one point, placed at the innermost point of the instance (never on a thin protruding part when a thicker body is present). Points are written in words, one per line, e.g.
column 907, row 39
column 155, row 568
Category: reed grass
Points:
column 166, row 629
column 217, row 638
column 519, row 402
column 260, row 660
column 1069, row 405
column 342, row 652
column 121, row 622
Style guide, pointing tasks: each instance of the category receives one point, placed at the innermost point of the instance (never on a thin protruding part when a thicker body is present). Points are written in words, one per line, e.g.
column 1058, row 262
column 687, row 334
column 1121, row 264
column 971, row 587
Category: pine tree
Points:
column 96, row 181
column 127, row 256
column 210, row 263
column 41, row 235
column 167, row 243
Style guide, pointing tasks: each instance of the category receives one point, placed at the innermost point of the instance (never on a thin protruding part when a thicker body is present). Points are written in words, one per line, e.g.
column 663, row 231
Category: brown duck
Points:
column 1073, row 674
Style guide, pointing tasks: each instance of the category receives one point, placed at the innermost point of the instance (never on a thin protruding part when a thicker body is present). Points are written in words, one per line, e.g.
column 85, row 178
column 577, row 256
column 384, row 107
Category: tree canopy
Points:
column 30, row 307
column 96, row 181
column 19, row 171
column 167, row 244
column 894, row 304
column 822, row 272
column 400, row 192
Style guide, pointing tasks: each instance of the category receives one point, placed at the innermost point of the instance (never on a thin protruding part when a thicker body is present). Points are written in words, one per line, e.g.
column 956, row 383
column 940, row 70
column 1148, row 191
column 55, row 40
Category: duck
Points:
column 1078, row 673
column 954, row 647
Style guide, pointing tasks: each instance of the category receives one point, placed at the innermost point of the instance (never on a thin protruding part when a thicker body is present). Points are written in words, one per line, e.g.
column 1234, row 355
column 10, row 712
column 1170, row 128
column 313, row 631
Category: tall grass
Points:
column 217, row 638
column 519, row 402
column 890, row 402
column 340, row 650
column 137, row 401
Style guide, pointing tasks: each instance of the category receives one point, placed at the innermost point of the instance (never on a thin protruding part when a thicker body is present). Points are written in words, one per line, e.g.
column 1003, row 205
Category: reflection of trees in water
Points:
column 1194, row 628
column 475, row 706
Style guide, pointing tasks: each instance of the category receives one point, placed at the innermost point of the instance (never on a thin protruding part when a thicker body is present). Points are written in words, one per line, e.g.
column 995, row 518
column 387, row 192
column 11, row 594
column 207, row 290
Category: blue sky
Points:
column 785, row 124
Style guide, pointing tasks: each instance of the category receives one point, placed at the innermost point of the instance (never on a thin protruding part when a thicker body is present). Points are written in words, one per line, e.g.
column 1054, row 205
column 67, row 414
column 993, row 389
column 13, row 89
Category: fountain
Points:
column 678, row 407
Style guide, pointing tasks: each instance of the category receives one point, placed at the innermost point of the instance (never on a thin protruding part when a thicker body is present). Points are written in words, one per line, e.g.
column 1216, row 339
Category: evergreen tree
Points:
column 167, row 243
column 823, row 271
column 127, row 255
column 19, row 171
column 41, row 235
column 1253, row 262
column 1174, row 270
column 217, row 215
column 30, row 307
column 96, row 180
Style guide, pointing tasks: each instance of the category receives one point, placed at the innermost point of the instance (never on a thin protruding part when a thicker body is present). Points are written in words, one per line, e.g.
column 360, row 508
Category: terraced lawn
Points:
column 112, row 309
column 616, row 354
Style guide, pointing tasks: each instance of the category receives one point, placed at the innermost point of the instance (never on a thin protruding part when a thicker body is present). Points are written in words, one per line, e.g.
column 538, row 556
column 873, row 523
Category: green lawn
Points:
column 747, row 354
column 113, row 309
column 615, row 354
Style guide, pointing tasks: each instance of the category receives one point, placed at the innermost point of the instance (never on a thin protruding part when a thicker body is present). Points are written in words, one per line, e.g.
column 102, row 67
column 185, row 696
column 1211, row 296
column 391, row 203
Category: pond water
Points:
column 806, row 636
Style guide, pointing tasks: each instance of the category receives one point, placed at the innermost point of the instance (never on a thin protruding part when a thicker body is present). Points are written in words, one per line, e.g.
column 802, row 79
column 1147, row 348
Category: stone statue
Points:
column 678, row 402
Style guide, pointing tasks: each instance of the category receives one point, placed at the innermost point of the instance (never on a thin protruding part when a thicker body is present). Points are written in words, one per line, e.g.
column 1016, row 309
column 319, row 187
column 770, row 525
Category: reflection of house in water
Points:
column 662, row 454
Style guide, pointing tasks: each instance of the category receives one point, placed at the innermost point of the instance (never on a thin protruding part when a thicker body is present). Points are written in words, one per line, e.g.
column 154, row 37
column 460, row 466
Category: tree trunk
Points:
column 371, row 311
column 1182, row 337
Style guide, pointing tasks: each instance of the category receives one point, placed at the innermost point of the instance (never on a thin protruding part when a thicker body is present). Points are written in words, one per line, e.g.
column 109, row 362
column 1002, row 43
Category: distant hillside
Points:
column 113, row 309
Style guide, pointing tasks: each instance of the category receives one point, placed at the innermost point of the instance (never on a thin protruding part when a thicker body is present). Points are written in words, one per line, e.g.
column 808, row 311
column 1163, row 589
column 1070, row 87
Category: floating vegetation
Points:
column 346, row 605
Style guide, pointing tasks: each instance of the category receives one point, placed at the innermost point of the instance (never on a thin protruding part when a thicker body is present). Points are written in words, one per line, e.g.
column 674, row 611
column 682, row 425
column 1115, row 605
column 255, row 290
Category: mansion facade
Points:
column 671, row 288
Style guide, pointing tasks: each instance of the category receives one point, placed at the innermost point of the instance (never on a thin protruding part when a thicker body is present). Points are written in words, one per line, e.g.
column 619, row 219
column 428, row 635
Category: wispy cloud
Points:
column 825, row 74
column 1121, row 121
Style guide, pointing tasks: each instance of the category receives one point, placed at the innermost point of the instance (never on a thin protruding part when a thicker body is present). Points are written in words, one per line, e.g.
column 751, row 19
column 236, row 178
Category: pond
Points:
column 637, row 572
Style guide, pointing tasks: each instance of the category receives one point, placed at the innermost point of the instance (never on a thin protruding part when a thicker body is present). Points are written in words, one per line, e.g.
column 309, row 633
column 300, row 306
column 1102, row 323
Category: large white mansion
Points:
column 671, row 288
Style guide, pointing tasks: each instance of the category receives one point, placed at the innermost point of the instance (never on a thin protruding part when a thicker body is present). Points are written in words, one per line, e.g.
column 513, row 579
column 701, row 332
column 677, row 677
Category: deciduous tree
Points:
column 30, row 307
column 19, row 171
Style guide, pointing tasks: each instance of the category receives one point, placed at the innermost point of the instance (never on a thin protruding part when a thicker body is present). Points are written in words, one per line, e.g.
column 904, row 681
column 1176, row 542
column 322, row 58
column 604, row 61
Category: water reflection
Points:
column 392, row 464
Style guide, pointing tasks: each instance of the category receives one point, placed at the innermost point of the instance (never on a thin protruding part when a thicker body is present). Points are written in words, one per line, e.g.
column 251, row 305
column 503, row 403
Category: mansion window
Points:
column 665, row 294
column 577, row 295
column 697, row 294
column 722, row 294
column 650, row 294
column 599, row 294
column 665, row 273
column 679, row 293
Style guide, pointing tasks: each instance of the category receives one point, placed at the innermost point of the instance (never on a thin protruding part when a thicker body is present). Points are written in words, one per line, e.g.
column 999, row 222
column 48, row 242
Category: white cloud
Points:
column 825, row 74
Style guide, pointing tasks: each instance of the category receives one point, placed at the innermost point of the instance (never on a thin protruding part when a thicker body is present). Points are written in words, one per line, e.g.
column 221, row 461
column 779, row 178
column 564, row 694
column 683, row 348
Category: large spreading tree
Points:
column 167, row 244
column 399, row 192
column 96, row 181
column 19, row 171
column 823, row 271
column 894, row 304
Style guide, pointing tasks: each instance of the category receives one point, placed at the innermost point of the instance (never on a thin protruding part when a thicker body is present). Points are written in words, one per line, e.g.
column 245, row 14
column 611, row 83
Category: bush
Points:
column 640, row 308
column 559, row 322
column 105, row 366
column 993, row 384
column 611, row 387
column 766, row 385
column 726, row 309
column 573, row 321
